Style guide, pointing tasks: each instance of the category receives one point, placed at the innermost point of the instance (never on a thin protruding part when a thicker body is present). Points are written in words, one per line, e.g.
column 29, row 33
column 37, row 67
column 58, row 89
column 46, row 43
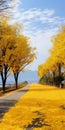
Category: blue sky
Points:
column 41, row 19
column 57, row 5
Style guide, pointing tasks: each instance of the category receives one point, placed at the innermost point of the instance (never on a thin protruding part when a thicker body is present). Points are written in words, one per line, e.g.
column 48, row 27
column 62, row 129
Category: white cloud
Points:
column 15, row 7
column 14, row 3
column 42, row 41
column 37, row 15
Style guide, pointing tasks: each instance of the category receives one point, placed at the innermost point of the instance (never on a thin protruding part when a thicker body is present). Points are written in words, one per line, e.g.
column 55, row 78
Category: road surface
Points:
column 8, row 101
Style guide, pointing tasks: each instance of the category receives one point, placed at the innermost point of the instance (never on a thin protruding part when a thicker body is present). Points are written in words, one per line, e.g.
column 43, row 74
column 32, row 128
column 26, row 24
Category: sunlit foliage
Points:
column 15, row 50
column 55, row 62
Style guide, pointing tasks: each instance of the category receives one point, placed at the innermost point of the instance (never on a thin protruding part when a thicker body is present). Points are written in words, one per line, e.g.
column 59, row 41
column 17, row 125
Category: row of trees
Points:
column 15, row 51
column 53, row 70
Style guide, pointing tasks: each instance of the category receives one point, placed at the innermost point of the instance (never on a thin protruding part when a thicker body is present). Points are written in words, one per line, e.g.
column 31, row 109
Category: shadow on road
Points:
column 37, row 122
column 9, row 101
column 5, row 105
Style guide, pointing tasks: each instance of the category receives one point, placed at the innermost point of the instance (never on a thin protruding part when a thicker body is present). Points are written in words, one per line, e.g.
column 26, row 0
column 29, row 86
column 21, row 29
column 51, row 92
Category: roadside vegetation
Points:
column 53, row 70
column 15, row 51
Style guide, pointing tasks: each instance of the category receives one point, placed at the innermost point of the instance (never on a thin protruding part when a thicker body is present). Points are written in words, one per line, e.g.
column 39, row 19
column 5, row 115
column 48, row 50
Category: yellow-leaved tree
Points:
column 55, row 63
column 7, row 45
column 15, row 51
column 24, row 54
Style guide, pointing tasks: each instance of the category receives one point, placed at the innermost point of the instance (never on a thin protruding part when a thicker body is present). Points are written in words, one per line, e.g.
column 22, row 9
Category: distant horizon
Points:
column 23, row 76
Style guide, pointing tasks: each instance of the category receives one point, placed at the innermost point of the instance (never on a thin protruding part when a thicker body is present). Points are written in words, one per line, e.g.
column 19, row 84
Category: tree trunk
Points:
column 4, row 77
column 16, row 79
column 3, row 85
column 53, row 77
column 16, row 82
column 59, row 69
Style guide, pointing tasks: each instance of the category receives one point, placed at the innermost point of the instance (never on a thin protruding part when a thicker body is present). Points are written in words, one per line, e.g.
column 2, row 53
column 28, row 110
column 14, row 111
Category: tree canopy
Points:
column 55, row 63
column 15, row 51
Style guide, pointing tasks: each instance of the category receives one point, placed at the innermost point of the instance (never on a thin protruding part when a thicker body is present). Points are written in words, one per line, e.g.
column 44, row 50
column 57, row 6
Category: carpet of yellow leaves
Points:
column 41, row 108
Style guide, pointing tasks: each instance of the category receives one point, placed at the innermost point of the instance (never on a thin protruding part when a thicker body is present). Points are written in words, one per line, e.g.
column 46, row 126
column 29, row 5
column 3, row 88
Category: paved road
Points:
column 8, row 101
